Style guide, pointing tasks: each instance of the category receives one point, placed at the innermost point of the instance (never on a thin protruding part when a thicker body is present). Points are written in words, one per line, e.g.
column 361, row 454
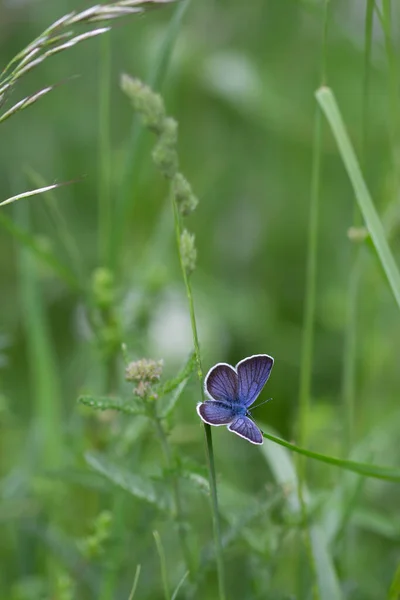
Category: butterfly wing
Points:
column 248, row 430
column 253, row 373
column 215, row 413
column 221, row 383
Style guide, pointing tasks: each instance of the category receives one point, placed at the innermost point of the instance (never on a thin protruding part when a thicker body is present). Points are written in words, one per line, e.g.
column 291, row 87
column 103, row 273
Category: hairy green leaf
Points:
column 136, row 485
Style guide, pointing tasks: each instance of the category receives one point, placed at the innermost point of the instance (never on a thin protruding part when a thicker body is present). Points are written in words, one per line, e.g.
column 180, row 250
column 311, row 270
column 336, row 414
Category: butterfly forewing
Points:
column 253, row 373
column 215, row 413
column 221, row 383
column 245, row 427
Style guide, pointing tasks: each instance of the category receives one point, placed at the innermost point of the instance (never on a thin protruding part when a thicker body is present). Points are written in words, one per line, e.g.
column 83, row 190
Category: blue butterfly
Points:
column 232, row 391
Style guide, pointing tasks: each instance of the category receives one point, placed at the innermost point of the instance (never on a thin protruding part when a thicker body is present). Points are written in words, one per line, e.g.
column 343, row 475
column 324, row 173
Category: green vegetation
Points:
column 185, row 183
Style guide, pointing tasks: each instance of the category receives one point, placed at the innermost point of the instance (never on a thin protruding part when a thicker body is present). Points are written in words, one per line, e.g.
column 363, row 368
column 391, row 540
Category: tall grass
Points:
column 132, row 447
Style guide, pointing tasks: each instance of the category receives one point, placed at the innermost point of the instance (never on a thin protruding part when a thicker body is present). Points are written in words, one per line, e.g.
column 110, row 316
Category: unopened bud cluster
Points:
column 145, row 373
column 188, row 251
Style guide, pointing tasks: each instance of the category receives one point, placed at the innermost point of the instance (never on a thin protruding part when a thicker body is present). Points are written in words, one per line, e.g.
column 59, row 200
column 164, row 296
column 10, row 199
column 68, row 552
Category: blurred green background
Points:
column 241, row 83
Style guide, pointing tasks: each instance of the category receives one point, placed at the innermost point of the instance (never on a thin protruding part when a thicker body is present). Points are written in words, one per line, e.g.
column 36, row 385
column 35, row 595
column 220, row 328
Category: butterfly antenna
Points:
column 261, row 403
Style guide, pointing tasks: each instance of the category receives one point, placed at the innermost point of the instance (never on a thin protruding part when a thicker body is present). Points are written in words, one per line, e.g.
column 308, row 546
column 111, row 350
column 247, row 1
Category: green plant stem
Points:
column 394, row 126
column 163, row 564
column 368, row 470
column 135, row 582
column 176, row 491
column 104, row 192
column 309, row 311
column 207, row 428
column 350, row 339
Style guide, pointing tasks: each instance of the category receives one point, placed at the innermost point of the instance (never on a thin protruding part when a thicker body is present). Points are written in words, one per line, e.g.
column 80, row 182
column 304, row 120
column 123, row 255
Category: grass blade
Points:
column 105, row 212
column 43, row 371
column 366, row 469
column 180, row 584
column 135, row 583
column 329, row 106
column 163, row 563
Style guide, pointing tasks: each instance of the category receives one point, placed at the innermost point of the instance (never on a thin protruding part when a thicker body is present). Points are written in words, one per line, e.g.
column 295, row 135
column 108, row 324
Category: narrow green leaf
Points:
column 329, row 106
column 169, row 406
column 107, row 403
column 163, row 564
column 44, row 378
column 134, row 484
column 180, row 584
column 368, row 470
column 135, row 582
column 61, row 227
column 172, row 384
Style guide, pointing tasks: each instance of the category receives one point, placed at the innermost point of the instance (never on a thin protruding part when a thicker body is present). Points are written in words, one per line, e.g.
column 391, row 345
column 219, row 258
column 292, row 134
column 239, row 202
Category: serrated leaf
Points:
column 107, row 403
column 136, row 485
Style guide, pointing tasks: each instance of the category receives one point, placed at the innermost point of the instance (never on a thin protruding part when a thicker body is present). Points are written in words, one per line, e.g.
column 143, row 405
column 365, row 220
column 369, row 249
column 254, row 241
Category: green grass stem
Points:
column 207, row 428
column 135, row 583
column 46, row 396
column 105, row 214
column 163, row 565
column 393, row 77
column 366, row 469
column 309, row 307
column 61, row 228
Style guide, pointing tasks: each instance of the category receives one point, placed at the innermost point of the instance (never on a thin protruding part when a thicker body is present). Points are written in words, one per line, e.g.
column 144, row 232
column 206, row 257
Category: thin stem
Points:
column 135, row 582
column 349, row 373
column 163, row 564
column 393, row 78
column 176, row 491
column 207, row 428
column 350, row 342
column 309, row 310
column 369, row 21
column 104, row 195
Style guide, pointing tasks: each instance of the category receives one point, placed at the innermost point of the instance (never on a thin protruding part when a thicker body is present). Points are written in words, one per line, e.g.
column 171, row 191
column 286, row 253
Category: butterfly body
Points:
column 231, row 391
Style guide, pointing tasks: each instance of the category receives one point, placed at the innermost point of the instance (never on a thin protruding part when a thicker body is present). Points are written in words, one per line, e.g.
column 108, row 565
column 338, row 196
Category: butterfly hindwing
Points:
column 248, row 430
column 253, row 373
column 215, row 412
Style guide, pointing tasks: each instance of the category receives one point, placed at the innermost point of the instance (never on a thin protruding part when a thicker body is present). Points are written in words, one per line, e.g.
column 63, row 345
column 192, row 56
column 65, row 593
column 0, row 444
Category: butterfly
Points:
column 232, row 391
